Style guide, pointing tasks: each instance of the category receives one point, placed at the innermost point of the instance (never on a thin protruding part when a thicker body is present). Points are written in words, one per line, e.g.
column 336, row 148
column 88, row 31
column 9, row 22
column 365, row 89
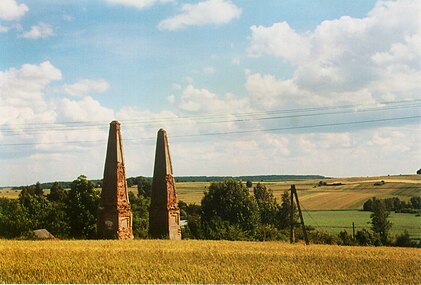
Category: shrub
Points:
column 403, row 240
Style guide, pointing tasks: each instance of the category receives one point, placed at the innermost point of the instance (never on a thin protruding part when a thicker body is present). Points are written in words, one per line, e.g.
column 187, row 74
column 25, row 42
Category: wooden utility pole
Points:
column 292, row 224
column 291, row 218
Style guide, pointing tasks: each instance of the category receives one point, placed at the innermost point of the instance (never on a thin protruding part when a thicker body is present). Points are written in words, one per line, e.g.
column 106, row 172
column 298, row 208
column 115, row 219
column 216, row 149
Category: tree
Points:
column 144, row 187
column 416, row 202
column 364, row 237
column 57, row 221
column 82, row 208
column 368, row 205
column 404, row 240
column 229, row 212
column 57, row 193
column 38, row 189
column 36, row 205
column 249, row 184
column 345, row 238
column 379, row 221
column 140, row 209
column 14, row 219
column 268, row 208
column 285, row 211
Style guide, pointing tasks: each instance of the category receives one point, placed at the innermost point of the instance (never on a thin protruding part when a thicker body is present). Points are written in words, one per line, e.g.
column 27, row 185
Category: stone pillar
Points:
column 114, row 213
column 164, row 214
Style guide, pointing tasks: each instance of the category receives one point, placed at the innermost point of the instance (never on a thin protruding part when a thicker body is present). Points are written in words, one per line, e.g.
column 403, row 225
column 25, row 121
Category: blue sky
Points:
column 240, row 86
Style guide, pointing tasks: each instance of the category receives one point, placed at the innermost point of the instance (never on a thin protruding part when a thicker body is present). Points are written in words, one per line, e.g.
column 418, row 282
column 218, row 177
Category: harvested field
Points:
column 189, row 261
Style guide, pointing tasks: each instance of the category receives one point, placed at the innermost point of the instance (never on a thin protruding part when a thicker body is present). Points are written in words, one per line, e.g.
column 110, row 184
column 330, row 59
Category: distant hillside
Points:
column 266, row 178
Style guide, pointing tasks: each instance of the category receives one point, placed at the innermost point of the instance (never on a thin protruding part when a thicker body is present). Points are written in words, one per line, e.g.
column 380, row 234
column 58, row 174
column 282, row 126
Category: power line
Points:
column 232, row 132
column 58, row 129
column 357, row 108
column 301, row 127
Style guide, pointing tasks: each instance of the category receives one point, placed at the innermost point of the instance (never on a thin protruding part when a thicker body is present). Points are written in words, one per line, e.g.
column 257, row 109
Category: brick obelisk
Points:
column 114, row 213
column 164, row 214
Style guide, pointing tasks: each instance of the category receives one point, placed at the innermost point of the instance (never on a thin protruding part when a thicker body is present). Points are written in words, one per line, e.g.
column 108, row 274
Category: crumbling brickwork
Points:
column 114, row 213
column 164, row 214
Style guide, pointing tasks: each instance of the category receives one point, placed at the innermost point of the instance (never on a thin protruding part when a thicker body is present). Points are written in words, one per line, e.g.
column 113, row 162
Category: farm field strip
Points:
column 189, row 261
column 336, row 221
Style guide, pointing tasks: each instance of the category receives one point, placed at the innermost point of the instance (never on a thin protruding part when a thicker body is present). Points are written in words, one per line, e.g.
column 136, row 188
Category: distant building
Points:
column 43, row 234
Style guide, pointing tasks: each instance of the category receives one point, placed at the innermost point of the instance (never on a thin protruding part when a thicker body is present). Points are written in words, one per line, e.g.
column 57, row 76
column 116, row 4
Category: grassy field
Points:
column 336, row 221
column 159, row 261
column 350, row 195
column 319, row 201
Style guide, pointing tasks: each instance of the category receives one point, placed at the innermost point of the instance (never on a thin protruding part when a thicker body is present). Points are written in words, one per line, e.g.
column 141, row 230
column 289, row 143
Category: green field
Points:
column 319, row 201
column 350, row 195
column 190, row 261
column 336, row 221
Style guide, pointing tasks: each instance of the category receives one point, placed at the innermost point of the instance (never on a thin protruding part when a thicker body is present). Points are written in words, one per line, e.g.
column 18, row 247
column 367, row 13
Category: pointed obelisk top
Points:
column 163, row 165
column 114, row 213
column 164, row 214
column 114, row 170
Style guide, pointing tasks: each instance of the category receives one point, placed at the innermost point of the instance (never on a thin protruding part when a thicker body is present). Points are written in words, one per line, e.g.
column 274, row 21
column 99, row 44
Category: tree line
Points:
column 413, row 206
column 227, row 212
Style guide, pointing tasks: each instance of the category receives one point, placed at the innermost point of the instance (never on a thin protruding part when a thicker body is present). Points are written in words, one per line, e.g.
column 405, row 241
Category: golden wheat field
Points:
column 192, row 261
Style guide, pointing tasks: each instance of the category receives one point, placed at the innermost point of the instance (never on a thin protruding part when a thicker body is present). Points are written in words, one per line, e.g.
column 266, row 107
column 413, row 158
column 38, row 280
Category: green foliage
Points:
column 364, row 237
column 321, row 237
column 140, row 209
column 249, row 184
column 403, row 240
column 36, row 205
column 57, row 193
column 191, row 213
column 395, row 204
column 267, row 232
column 14, row 219
column 379, row 221
column 144, row 187
column 416, row 202
column 268, row 208
column 228, row 211
column 346, row 239
column 285, row 211
column 82, row 208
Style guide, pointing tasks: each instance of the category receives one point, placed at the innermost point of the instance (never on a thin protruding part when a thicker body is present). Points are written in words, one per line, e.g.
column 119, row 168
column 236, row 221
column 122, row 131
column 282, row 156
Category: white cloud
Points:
column 24, row 87
column 203, row 101
column 138, row 4
column 347, row 59
column 28, row 115
column 85, row 109
column 10, row 10
column 83, row 87
column 209, row 12
column 278, row 40
column 39, row 31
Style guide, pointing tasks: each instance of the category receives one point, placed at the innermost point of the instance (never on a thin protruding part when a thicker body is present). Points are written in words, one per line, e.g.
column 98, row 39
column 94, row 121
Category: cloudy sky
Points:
column 242, row 87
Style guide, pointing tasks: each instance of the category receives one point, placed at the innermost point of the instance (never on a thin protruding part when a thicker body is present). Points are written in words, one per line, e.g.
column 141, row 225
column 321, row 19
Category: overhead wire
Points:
column 234, row 132
column 357, row 108
column 87, row 126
